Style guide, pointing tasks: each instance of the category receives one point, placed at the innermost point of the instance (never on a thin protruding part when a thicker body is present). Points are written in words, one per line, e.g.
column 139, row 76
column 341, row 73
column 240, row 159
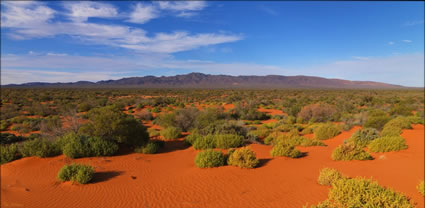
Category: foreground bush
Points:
column 281, row 149
column 170, row 133
column 209, row 159
column 76, row 173
column 244, row 158
column 77, row 146
column 225, row 141
column 326, row 131
column 359, row 192
column 421, row 188
column 204, row 142
column 40, row 148
column 328, row 176
column 388, row 144
column 350, row 152
column 9, row 153
column 363, row 137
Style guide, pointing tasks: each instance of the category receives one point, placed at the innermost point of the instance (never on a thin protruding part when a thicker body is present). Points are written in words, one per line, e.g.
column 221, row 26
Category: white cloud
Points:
column 81, row 11
column 182, row 5
column 24, row 14
column 391, row 43
column 143, row 13
column 407, row 41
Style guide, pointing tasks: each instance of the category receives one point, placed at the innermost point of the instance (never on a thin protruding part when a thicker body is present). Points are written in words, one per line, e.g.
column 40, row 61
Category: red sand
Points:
column 271, row 112
column 170, row 178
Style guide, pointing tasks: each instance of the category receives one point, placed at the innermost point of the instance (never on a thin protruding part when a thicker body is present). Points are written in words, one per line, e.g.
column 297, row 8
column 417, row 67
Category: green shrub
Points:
column 376, row 122
column 326, row 131
column 9, row 153
column 100, row 147
column 204, row 142
column 4, row 125
column 416, row 120
column 225, row 141
column 209, row 159
column 391, row 131
column 293, row 140
column 40, row 148
column 6, row 138
column 244, row 158
column 328, row 176
column 401, row 122
column 360, row 192
column 350, row 151
column 170, row 133
column 153, row 132
column 280, row 149
column 190, row 139
column 270, row 138
column 261, row 132
column 76, row 173
column 151, row 148
column 421, row 188
column 77, row 146
column 363, row 137
column 388, row 144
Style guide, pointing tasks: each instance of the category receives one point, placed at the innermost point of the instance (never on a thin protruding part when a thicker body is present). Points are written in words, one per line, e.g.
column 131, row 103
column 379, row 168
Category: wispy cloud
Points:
column 360, row 58
column 268, row 10
column 19, row 18
column 391, row 43
column 407, row 41
column 413, row 23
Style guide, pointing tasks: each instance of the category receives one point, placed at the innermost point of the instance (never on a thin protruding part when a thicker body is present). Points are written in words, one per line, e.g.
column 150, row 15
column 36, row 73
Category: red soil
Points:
column 271, row 112
column 170, row 178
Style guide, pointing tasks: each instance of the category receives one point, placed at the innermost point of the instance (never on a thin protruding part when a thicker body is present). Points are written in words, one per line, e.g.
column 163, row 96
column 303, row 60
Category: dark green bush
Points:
column 9, row 153
column 40, row 148
column 152, row 147
column 326, row 131
column 6, row 138
column 387, row 144
column 243, row 157
column 209, row 159
column 76, row 173
column 350, row 151
column 77, row 146
column 363, row 137
column 170, row 133
column 225, row 141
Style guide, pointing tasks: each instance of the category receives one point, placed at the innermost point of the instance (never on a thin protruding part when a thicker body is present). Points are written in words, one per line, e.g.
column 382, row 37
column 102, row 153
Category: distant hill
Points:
column 199, row 80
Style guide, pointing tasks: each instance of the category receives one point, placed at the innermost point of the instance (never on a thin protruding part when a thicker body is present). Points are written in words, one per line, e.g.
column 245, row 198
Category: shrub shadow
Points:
column 263, row 162
column 303, row 154
column 105, row 176
column 173, row 145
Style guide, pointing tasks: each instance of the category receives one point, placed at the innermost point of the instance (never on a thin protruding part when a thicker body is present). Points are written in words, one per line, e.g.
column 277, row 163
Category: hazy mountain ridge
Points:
column 199, row 80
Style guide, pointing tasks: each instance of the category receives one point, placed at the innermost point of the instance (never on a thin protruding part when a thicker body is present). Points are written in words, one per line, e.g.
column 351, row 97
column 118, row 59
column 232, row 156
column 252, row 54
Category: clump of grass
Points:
column 152, row 147
column 350, row 151
column 225, row 141
column 363, row 137
column 76, row 173
column 281, row 149
column 326, row 131
column 9, row 153
column 388, row 144
column 421, row 188
column 391, row 131
column 153, row 132
column 243, row 157
column 328, row 176
column 209, row 159
column 360, row 192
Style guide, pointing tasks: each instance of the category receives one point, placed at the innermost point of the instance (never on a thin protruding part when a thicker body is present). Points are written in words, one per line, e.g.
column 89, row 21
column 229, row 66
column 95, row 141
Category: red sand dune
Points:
column 170, row 179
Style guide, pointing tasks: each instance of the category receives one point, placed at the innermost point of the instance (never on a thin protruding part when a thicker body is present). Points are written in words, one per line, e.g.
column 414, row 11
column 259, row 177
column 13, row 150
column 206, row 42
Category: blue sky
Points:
column 72, row 41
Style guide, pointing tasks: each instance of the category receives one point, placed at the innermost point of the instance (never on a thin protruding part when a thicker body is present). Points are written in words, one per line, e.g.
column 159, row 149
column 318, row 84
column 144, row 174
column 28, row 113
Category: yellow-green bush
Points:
column 243, row 157
column 421, row 188
column 9, row 153
column 225, row 141
column 328, row 176
column 326, row 131
column 360, row 192
column 391, row 131
column 388, row 144
column 402, row 122
column 350, row 151
column 209, row 159
column 76, row 173
column 281, row 149
column 204, row 142
column 363, row 137
column 170, row 133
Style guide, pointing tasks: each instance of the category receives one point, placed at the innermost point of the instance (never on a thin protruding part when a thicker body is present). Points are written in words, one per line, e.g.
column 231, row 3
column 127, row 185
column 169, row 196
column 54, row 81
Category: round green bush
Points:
column 376, row 122
column 401, row 122
column 350, row 151
column 285, row 150
column 328, row 176
column 40, row 148
column 209, row 159
column 388, row 144
column 326, row 131
column 9, row 153
column 76, row 173
column 204, row 142
column 391, row 131
column 77, row 146
column 363, row 137
column 225, row 141
column 244, row 158
column 170, row 133
column 190, row 139
column 151, row 148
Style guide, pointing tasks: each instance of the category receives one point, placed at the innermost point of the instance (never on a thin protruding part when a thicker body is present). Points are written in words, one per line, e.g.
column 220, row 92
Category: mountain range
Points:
column 200, row 80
